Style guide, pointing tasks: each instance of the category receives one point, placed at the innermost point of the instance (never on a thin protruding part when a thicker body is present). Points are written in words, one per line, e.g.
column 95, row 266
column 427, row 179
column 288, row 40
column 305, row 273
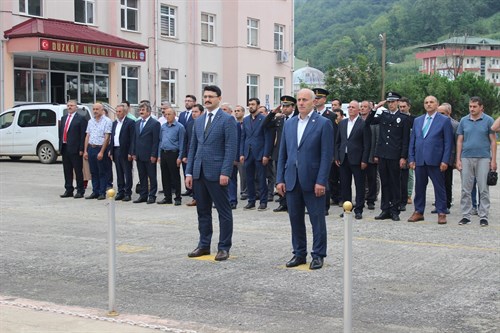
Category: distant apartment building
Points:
column 462, row 54
column 157, row 50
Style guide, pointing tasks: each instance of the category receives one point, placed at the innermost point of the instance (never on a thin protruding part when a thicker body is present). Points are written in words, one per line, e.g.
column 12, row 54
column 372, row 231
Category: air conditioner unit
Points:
column 281, row 56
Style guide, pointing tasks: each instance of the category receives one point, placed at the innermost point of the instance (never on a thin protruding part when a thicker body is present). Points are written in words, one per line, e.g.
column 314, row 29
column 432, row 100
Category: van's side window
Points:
column 47, row 118
column 6, row 119
column 28, row 118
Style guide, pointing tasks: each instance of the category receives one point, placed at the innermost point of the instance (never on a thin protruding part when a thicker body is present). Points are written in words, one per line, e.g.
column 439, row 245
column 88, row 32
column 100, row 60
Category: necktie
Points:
column 427, row 124
column 66, row 126
column 209, row 123
column 142, row 125
column 286, row 117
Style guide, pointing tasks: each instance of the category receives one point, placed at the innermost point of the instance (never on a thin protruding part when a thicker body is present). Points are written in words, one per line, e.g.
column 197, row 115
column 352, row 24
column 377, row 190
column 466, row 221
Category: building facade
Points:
column 462, row 54
column 158, row 50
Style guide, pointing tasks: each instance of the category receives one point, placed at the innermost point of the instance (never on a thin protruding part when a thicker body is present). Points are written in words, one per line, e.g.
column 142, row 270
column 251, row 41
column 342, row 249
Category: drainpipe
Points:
column 156, row 68
column 2, row 79
column 292, row 45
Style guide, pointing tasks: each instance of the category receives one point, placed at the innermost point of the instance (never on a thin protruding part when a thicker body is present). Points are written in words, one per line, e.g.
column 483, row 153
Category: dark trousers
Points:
column 371, row 172
column 254, row 168
column 405, row 173
column 334, row 180
column 297, row 201
column 123, row 171
column 207, row 193
column 390, row 180
column 448, row 185
column 147, row 171
column 347, row 172
column 170, row 173
column 99, row 169
column 271, row 177
column 233, row 186
column 422, row 175
column 72, row 163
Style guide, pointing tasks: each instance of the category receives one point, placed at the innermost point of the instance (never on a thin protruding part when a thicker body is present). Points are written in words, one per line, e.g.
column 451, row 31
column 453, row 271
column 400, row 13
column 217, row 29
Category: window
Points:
column 279, row 37
column 31, row 7
column 207, row 28
column 168, row 85
column 130, row 84
column 252, row 32
column 84, row 11
column 252, row 86
column 47, row 118
column 279, row 89
column 167, row 21
column 208, row 79
column 129, row 14
column 28, row 118
column 6, row 119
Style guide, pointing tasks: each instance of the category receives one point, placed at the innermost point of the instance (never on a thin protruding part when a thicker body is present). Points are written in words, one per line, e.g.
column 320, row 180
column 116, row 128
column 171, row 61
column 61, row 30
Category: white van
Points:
column 32, row 130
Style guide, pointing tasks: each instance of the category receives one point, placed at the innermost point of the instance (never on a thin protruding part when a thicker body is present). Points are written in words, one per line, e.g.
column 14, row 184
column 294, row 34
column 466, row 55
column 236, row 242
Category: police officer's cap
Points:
column 392, row 96
column 288, row 100
column 320, row 92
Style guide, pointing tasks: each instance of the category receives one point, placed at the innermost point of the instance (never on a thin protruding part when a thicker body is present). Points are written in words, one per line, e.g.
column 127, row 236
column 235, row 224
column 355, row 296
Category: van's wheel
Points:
column 15, row 158
column 46, row 153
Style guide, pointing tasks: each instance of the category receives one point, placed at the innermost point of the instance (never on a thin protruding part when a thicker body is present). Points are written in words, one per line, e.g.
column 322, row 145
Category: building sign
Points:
column 93, row 50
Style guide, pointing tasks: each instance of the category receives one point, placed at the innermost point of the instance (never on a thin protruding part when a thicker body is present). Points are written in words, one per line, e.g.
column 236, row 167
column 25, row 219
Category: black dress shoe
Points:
column 383, row 216
column 280, row 209
column 296, row 261
column 316, row 263
column 177, row 202
column 66, row 194
column 250, row 205
column 244, row 197
column 358, row 216
column 101, row 197
column 402, row 208
column 262, row 207
column 92, row 196
column 198, row 252
column 127, row 198
column 327, row 213
column 151, row 200
column 78, row 195
column 119, row 197
column 139, row 200
column 164, row 201
column 187, row 193
column 222, row 255
column 371, row 206
column 233, row 205
column 395, row 217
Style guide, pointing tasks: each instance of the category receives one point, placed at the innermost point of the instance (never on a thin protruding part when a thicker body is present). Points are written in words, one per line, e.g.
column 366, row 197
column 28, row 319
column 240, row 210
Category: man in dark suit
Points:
column 186, row 119
column 276, row 119
column 122, row 137
column 254, row 153
column 304, row 163
column 391, row 153
column 431, row 143
column 210, row 163
column 145, row 153
column 71, row 145
column 196, row 111
column 353, row 149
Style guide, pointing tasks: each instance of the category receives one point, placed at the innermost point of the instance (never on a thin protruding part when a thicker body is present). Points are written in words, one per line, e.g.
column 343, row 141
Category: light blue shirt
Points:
column 172, row 137
column 98, row 129
column 476, row 143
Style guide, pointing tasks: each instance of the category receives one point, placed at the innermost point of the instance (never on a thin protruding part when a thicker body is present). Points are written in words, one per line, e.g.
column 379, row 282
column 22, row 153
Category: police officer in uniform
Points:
column 319, row 106
column 391, row 153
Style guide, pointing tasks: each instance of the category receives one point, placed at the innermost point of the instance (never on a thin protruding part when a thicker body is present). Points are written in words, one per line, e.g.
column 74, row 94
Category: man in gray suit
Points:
column 210, row 163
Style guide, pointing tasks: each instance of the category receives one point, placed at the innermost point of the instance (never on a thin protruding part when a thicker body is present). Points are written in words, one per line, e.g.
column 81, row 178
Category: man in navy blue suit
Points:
column 122, row 137
column 431, row 142
column 304, row 163
column 145, row 153
column 210, row 163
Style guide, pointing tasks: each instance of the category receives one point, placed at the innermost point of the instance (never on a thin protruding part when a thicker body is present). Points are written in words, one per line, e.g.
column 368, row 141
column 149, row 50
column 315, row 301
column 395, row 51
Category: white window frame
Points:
column 253, row 32
column 208, row 25
column 252, row 86
column 125, row 8
column 169, row 77
column 125, row 76
column 279, row 37
column 87, row 19
column 26, row 10
column 279, row 89
column 170, row 19
column 208, row 79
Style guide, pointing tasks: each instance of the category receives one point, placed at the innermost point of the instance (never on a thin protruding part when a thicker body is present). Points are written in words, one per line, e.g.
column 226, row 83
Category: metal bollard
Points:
column 111, row 253
column 347, row 267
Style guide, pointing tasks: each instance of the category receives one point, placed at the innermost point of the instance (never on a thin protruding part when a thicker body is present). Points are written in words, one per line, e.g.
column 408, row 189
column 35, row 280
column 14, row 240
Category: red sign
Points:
column 93, row 50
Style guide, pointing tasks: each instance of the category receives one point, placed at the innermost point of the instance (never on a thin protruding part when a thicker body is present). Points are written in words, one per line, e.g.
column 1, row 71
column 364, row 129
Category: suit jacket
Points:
column 309, row 160
column 146, row 142
column 275, row 128
column 254, row 136
column 436, row 147
column 182, row 118
column 126, row 137
column 75, row 137
column 187, row 138
column 358, row 143
column 215, row 152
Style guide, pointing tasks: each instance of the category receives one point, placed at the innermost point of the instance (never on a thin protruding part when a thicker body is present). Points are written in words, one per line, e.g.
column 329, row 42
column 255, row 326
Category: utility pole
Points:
column 383, row 38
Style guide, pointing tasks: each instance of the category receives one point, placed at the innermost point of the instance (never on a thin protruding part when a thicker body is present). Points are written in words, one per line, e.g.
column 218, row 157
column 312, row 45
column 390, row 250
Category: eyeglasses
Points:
column 210, row 96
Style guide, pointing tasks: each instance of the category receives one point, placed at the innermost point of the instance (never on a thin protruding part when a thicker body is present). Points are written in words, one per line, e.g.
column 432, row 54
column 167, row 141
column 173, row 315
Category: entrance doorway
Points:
column 57, row 93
